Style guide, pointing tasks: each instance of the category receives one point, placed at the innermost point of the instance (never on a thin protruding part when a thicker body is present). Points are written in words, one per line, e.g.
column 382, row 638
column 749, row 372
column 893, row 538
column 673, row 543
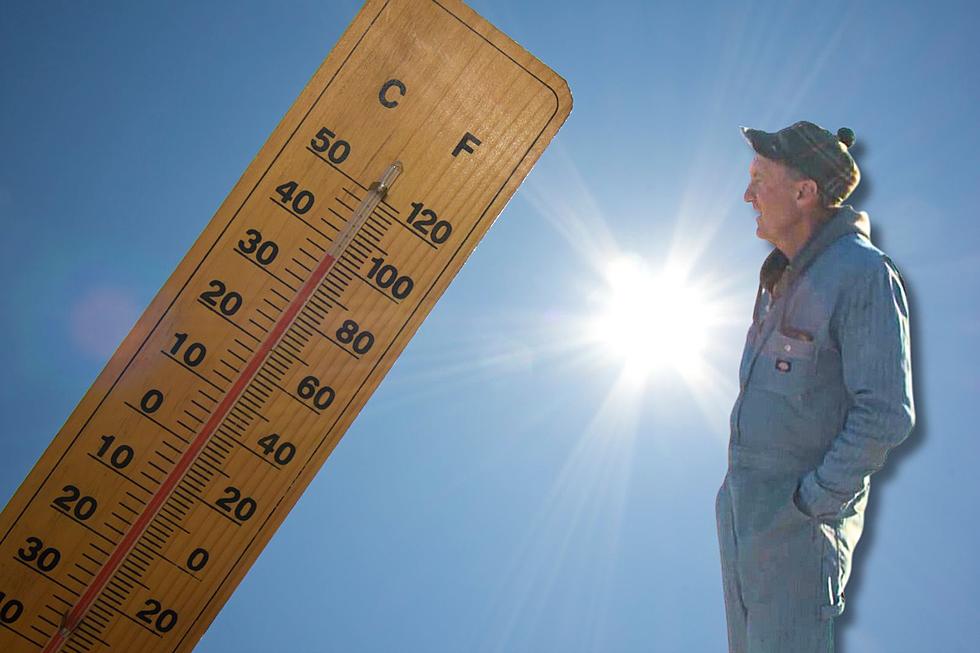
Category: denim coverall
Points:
column 825, row 393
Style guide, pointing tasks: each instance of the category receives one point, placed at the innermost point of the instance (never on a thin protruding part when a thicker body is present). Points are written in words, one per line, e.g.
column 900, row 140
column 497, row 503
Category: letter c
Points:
column 382, row 95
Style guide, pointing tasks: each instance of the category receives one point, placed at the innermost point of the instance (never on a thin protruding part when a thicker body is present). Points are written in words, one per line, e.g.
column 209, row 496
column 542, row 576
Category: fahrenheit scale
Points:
column 190, row 448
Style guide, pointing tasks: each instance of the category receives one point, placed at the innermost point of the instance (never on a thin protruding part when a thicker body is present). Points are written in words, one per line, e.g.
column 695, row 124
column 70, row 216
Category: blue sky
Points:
column 503, row 490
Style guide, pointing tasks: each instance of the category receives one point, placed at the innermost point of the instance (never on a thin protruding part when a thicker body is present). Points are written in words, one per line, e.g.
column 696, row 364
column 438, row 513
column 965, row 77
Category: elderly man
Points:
column 825, row 393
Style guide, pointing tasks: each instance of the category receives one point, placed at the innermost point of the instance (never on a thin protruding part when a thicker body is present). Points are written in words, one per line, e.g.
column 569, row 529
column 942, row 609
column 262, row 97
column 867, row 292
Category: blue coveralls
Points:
column 825, row 393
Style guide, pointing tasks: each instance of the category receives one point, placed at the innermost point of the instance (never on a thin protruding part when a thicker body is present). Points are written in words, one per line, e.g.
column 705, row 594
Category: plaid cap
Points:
column 813, row 151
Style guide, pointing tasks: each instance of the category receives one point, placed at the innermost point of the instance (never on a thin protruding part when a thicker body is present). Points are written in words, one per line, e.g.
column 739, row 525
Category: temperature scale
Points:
column 217, row 410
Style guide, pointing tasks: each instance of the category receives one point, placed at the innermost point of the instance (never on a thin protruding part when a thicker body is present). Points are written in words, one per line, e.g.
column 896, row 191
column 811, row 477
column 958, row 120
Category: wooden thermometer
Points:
column 193, row 444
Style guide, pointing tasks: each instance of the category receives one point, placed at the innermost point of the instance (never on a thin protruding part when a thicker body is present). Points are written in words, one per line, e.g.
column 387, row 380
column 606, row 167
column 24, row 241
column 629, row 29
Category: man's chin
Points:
column 762, row 235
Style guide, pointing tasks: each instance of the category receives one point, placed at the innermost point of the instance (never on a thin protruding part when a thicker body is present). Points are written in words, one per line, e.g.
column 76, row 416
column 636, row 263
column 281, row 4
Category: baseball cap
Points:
column 813, row 151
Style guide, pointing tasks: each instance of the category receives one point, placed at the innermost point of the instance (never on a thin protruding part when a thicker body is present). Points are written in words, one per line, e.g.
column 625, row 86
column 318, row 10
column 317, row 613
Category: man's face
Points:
column 773, row 193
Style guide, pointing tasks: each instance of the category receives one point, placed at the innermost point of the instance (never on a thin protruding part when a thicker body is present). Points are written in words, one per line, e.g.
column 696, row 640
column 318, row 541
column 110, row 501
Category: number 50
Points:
column 337, row 151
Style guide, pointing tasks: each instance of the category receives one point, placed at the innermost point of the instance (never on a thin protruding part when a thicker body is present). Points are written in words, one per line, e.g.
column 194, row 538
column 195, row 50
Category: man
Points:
column 825, row 393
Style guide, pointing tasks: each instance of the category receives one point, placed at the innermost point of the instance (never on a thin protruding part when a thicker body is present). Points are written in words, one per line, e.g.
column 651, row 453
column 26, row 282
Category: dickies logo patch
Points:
column 783, row 365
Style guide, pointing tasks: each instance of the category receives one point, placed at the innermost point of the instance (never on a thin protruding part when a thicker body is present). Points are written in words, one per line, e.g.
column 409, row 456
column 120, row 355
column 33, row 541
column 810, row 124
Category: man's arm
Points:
column 872, row 330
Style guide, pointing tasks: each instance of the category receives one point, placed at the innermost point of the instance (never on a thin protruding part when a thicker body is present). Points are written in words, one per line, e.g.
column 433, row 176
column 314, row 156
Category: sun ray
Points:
column 583, row 507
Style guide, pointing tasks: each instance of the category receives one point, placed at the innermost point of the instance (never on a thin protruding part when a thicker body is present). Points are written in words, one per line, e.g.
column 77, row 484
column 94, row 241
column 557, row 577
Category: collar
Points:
column 843, row 222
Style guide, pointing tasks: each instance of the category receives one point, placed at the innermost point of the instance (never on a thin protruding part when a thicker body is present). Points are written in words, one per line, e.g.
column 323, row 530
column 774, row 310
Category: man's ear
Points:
column 807, row 192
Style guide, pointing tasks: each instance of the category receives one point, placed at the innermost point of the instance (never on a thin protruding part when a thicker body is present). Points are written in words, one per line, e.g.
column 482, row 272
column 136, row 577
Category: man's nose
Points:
column 748, row 195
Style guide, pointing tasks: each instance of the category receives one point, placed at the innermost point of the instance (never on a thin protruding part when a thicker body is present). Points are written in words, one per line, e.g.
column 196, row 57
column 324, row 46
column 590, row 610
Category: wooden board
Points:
column 217, row 410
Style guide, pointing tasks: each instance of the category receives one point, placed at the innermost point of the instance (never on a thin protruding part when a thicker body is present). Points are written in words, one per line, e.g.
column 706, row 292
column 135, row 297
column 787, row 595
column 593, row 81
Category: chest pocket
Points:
column 786, row 366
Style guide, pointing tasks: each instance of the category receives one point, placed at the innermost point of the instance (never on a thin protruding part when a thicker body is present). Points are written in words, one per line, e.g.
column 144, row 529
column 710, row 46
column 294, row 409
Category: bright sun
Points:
column 653, row 321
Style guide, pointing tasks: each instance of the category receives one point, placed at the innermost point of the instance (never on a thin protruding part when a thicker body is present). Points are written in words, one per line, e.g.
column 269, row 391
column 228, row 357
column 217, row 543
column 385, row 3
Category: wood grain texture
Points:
column 456, row 75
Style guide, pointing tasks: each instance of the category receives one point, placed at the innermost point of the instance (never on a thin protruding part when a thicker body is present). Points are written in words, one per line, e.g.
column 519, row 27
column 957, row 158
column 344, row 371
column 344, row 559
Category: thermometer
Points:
column 212, row 417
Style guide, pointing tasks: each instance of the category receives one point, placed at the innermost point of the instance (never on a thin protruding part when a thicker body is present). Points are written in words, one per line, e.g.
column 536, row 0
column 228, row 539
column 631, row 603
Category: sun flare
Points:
column 654, row 321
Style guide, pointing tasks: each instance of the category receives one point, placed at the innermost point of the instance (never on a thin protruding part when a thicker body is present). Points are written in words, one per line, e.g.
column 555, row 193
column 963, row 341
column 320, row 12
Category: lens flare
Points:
column 653, row 321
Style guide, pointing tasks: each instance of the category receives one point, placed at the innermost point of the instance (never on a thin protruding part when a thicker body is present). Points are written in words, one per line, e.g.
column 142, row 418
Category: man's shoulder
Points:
column 854, row 255
column 854, row 270
column 852, row 266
